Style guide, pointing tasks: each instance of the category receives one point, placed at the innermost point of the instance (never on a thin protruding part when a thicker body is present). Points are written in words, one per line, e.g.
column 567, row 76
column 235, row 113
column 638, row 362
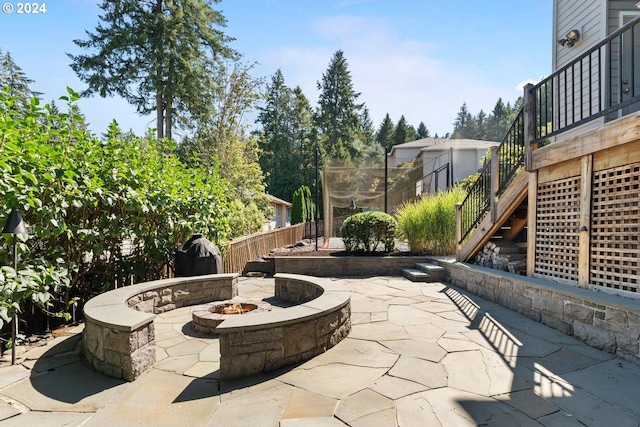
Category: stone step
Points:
column 416, row 275
column 424, row 272
column 436, row 272
column 262, row 266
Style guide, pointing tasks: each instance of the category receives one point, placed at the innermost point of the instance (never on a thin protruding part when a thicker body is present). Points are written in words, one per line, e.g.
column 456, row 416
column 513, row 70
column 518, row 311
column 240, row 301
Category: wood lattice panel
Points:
column 557, row 224
column 615, row 228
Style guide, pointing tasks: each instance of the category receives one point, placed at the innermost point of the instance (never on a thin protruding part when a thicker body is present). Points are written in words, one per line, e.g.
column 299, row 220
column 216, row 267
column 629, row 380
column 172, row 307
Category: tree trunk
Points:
column 159, row 100
column 168, row 121
column 159, row 116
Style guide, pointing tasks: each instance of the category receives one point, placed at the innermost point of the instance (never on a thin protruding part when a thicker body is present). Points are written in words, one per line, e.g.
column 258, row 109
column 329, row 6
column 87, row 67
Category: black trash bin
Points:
column 198, row 256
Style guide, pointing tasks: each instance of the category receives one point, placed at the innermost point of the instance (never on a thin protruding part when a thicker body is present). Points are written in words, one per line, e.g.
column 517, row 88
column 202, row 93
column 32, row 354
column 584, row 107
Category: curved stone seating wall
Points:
column 263, row 342
column 119, row 334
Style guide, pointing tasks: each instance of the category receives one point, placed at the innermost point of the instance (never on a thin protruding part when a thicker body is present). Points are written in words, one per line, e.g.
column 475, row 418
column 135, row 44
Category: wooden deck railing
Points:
column 244, row 249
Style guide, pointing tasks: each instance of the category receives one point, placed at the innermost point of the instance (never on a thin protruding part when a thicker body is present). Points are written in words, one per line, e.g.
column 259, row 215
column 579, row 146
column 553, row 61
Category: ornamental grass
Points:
column 429, row 224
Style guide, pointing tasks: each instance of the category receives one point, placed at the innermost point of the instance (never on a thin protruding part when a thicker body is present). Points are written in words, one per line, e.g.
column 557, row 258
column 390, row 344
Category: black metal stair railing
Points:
column 476, row 203
column 601, row 82
column 511, row 153
column 510, row 159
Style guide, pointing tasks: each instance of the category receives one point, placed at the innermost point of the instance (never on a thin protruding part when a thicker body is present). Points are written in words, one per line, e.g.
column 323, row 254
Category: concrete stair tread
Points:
column 427, row 267
column 416, row 275
column 424, row 272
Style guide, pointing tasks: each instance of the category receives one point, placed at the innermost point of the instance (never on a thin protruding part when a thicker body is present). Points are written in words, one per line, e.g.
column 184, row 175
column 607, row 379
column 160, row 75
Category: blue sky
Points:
column 417, row 58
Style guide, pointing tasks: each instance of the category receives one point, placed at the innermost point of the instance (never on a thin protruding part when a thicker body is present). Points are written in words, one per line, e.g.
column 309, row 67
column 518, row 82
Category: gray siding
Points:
column 615, row 7
column 586, row 16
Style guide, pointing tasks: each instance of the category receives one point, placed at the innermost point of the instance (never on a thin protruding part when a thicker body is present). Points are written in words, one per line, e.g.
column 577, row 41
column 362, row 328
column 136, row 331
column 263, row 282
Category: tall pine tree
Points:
column 17, row 82
column 157, row 54
column 339, row 115
column 403, row 132
column 384, row 136
column 287, row 139
column 422, row 131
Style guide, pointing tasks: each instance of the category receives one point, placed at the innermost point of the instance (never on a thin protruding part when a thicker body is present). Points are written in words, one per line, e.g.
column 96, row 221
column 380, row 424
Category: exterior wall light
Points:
column 570, row 38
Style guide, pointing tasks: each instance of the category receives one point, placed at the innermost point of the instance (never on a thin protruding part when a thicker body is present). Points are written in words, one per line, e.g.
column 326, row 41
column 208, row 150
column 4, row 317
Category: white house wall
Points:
column 464, row 162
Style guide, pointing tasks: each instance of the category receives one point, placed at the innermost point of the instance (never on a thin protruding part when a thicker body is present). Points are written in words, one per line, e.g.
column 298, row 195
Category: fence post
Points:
column 529, row 113
column 458, row 230
column 584, row 245
column 495, row 183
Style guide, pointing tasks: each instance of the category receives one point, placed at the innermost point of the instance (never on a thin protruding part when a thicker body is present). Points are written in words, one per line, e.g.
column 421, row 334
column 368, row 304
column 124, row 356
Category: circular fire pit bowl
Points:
column 207, row 317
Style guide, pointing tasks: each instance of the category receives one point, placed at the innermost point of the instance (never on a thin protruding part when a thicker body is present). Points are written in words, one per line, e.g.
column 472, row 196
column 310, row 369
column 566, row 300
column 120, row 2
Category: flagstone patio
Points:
column 418, row 354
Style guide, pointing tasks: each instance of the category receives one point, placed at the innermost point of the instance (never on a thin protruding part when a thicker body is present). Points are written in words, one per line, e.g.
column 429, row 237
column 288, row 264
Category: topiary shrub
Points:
column 366, row 231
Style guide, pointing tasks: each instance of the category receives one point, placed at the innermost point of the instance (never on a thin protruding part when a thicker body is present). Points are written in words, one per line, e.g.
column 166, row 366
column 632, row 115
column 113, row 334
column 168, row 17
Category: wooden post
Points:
column 458, row 229
column 495, row 183
column 584, row 242
column 532, row 196
column 529, row 105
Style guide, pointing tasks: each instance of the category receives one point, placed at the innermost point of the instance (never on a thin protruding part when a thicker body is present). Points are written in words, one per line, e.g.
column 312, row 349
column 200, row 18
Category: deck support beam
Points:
column 584, row 242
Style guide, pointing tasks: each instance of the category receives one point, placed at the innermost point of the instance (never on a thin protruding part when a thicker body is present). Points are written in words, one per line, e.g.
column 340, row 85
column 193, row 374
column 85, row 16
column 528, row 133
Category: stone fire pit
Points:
column 207, row 317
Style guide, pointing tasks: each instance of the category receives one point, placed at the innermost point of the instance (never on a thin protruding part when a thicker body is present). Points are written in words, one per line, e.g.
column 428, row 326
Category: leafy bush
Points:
column 84, row 199
column 366, row 231
column 429, row 224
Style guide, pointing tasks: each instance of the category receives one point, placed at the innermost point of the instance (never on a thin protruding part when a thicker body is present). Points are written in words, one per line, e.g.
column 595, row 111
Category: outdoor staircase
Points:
column 424, row 272
column 504, row 225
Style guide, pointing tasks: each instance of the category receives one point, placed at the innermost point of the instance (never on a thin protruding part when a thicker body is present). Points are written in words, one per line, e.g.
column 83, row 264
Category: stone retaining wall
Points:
column 119, row 335
column 605, row 321
column 332, row 266
column 264, row 342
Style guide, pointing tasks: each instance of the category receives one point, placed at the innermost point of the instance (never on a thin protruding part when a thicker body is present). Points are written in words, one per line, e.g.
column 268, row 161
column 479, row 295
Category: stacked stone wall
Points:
column 332, row 266
column 605, row 321
column 185, row 293
column 268, row 341
column 119, row 337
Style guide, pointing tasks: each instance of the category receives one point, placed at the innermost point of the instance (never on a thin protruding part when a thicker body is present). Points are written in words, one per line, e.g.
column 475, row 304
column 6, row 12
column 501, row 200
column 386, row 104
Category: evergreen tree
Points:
column 365, row 144
column 403, row 132
column 310, row 208
column 497, row 123
column 298, row 208
column 17, row 82
column 280, row 154
column 368, row 132
column 339, row 115
column 422, row 131
column 304, row 136
column 411, row 133
column 463, row 125
column 384, row 136
column 157, row 54
column 480, row 126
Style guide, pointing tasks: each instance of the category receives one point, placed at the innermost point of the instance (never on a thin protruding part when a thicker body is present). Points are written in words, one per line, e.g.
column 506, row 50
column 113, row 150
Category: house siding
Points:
column 615, row 7
column 586, row 16
column 613, row 23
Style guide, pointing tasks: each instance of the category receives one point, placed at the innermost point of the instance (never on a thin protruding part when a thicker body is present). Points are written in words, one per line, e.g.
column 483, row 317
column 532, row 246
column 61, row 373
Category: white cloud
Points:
column 410, row 77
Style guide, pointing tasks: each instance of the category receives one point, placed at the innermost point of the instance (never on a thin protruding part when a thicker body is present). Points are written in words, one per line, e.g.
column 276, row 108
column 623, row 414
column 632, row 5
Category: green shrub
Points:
column 366, row 231
column 297, row 207
column 84, row 198
column 429, row 224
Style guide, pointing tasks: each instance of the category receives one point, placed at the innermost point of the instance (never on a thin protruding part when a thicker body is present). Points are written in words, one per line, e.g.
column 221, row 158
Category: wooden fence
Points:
column 239, row 251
